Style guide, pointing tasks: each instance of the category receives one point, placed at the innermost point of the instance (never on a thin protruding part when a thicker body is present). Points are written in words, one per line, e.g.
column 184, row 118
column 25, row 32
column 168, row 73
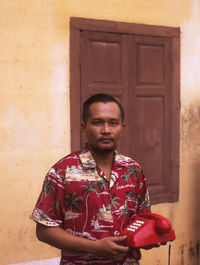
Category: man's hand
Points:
column 111, row 248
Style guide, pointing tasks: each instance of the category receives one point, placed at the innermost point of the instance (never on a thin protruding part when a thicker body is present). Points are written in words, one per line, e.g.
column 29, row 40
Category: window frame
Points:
column 79, row 24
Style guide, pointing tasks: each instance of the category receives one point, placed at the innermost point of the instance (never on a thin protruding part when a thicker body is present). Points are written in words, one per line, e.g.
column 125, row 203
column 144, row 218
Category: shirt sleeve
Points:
column 143, row 201
column 49, row 209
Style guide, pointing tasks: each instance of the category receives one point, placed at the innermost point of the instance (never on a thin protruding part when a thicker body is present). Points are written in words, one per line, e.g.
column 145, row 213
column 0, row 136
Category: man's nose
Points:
column 105, row 128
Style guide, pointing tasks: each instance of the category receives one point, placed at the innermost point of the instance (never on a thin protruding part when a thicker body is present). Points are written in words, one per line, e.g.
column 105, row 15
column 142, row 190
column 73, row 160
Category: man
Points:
column 89, row 196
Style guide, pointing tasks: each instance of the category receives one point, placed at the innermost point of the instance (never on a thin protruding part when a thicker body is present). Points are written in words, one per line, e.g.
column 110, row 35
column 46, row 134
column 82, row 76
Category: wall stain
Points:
column 190, row 148
column 181, row 249
column 190, row 128
column 189, row 252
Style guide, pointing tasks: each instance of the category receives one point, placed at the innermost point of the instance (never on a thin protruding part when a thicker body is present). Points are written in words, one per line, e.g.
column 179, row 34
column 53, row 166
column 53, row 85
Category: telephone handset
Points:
column 148, row 229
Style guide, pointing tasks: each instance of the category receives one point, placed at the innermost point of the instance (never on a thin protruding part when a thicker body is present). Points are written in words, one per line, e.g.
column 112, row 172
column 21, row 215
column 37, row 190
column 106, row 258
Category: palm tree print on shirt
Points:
column 55, row 205
column 42, row 215
column 91, row 187
column 47, row 188
column 103, row 184
column 129, row 195
column 124, row 211
column 113, row 201
column 134, row 170
column 74, row 201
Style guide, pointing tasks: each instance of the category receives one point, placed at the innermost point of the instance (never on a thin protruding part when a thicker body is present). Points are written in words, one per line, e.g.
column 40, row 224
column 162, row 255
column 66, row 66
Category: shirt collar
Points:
column 89, row 162
column 87, row 159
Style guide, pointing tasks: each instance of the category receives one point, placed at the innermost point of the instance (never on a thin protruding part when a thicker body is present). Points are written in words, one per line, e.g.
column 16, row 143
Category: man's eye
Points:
column 96, row 123
column 114, row 123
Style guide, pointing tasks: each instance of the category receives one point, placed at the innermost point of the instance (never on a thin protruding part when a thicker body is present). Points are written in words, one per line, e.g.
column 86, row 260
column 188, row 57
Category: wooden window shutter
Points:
column 104, row 68
column 139, row 65
column 149, row 111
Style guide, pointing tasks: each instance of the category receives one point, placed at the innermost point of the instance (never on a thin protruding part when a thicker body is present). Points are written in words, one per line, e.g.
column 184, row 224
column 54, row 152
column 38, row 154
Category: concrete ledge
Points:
column 54, row 261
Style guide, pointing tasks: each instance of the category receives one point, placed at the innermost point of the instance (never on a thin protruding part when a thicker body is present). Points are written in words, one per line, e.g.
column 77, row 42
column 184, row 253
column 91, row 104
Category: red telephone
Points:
column 148, row 229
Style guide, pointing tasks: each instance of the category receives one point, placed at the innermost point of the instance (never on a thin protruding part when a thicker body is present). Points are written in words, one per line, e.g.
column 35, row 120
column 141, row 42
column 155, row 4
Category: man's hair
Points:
column 99, row 98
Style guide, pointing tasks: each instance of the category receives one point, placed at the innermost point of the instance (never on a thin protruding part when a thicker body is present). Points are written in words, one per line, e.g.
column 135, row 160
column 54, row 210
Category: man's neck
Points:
column 104, row 160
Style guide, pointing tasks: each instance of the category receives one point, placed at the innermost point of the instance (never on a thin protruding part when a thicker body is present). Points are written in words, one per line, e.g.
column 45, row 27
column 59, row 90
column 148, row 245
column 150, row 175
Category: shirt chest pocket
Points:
column 87, row 193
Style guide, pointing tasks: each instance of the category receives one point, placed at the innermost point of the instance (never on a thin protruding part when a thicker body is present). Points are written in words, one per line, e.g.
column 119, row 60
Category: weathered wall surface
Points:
column 34, row 113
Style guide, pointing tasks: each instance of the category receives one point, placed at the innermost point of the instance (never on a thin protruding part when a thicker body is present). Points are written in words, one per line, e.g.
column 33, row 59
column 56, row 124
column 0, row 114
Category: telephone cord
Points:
column 169, row 253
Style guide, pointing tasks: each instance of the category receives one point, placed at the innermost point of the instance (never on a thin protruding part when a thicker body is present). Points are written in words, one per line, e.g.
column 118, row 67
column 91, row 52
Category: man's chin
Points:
column 105, row 148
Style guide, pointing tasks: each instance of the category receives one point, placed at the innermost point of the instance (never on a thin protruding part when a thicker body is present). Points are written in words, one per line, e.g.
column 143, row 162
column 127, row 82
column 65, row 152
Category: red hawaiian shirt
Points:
column 77, row 197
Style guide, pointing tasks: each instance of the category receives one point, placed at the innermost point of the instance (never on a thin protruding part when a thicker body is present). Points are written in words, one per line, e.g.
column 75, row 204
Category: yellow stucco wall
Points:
column 34, row 113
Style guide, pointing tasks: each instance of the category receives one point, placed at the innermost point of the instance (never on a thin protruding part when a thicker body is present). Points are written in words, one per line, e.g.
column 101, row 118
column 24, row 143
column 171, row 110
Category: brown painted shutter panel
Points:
column 104, row 67
column 149, row 108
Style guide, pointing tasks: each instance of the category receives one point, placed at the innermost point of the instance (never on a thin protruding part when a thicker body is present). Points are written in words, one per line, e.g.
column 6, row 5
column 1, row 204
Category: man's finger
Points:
column 120, row 238
column 136, row 253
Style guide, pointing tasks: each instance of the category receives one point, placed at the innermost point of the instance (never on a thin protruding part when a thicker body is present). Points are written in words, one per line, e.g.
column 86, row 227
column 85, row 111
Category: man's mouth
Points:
column 106, row 140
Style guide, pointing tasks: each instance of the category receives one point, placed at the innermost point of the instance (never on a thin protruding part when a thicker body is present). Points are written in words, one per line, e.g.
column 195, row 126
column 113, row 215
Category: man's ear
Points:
column 123, row 126
column 83, row 125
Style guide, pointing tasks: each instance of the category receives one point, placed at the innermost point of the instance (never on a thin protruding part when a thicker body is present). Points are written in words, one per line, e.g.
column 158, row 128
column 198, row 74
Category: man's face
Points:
column 103, row 127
